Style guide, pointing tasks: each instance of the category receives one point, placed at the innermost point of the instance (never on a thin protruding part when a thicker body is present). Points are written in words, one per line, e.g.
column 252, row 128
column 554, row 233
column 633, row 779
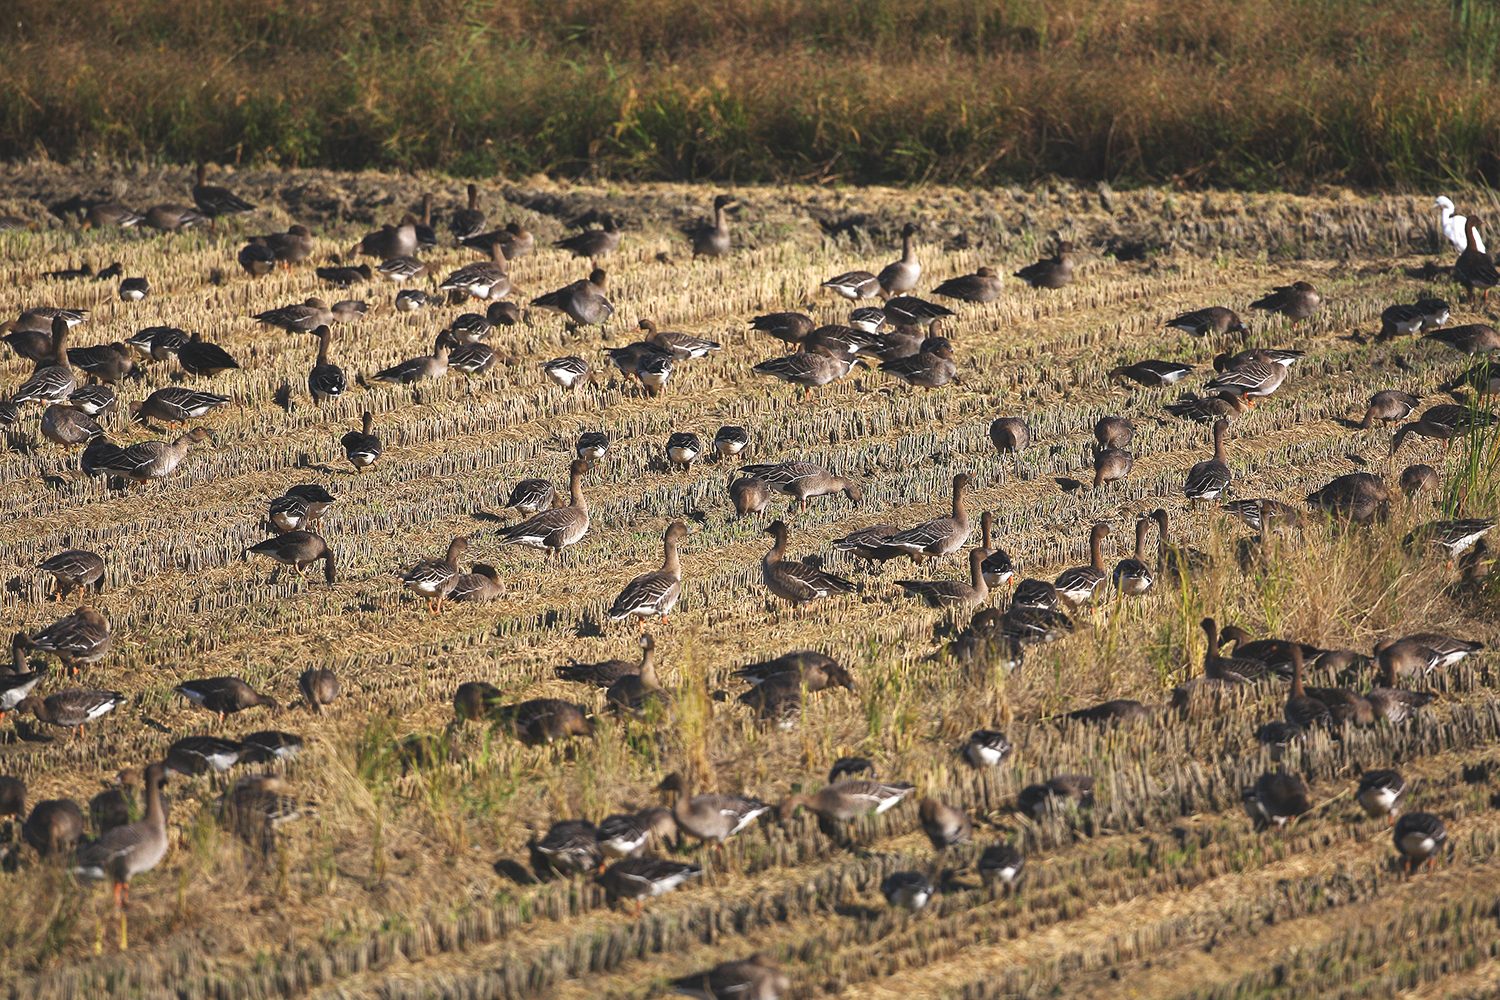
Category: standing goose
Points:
column 1276, row 798
column 683, row 448
column 198, row 357
column 484, row 280
column 326, row 381
column 943, row 536
column 150, row 460
column 1420, row 837
column 684, row 346
column 433, row 366
column 1050, row 272
column 1114, row 432
column 1214, row 320
column 845, row 801
column 402, row 268
column 571, row 847
column 1208, row 479
column 1152, row 373
column 730, row 441
column 304, row 318
column 18, row 683
column 997, row 566
column 1080, row 584
column 983, row 286
column 803, row 480
column 605, row 673
column 1111, row 465
column 583, row 302
column 481, row 583
column 639, row 879
column 319, row 687
column 595, row 244
column 856, row 286
column 654, row 593
column 712, row 241
column 930, row 368
column 435, row 579
column 531, row 495
column 1448, row 650
column 1207, row 409
column 1443, row 423
column 1009, row 435
column 176, row 404
column 872, row 543
column 591, row 445
column 1296, row 301
column 1231, row 669
column 554, row 530
column 1357, row 497
column 468, row 222
column 790, row 328
column 106, row 362
column 1301, row 709
column 944, row 825
column 1394, row 704
column 1475, row 338
column 80, row 638
column 570, row 372
column 1133, row 576
column 755, row 978
column 625, row 835
column 1000, row 863
column 214, row 201
column 1251, row 381
column 127, row 851
column 952, row 595
column 641, row 694
column 1380, row 793
column 908, row 890
column 714, row 818
column 1389, row 406
column 901, row 276
column 362, row 447
column 986, row 748
column 73, row 708
column 390, row 241
column 807, row 370
column 1419, row 477
column 299, row 550
column 53, row 828
column 53, row 379
column 796, row 582
column 224, row 696
column 1475, row 269
column 74, row 569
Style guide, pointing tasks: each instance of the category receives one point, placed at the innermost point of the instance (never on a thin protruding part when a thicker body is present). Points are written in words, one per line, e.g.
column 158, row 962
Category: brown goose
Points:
column 468, row 222
column 148, row 460
column 80, row 638
column 1302, row 709
column 901, row 276
column 1475, row 269
column 654, row 593
column 1472, row 339
column 1296, row 301
column 481, row 583
column 848, row 800
column 1443, row 423
column 1419, row 477
column 1232, row 669
column 1214, row 320
column 755, row 978
column 299, row 550
column 1380, row 793
column 639, row 879
column 952, row 595
column 796, row 582
column 584, row 302
column 53, row 379
column 1392, row 703
column 1419, row 837
column 802, row 668
column 749, row 494
column 1111, row 465
column 1009, row 435
column 53, row 827
column 713, row 241
column 214, row 201
column 127, row 851
column 807, row 370
column 435, row 579
column 73, row 708
column 225, row 696
column 595, row 244
column 943, row 536
column 1081, row 584
column 606, row 672
column 554, row 530
column 1389, row 406
column 944, row 825
column 326, row 381
column 1276, row 798
column 390, row 241
column 802, row 481
column 714, row 818
column 983, row 286
column 1210, row 478
column 74, row 569
column 1133, row 575
column 484, row 280
column 319, row 687
column 1050, row 272
column 641, row 694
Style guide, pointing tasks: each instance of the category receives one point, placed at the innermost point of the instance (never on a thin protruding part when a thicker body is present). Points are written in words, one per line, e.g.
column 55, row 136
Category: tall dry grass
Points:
column 1254, row 95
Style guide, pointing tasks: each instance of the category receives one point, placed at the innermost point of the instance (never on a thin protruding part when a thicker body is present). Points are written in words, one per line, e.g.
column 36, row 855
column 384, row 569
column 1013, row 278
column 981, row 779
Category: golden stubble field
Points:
column 391, row 889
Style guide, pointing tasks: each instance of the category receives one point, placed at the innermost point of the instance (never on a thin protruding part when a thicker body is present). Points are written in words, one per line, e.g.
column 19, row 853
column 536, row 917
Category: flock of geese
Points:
column 890, row 325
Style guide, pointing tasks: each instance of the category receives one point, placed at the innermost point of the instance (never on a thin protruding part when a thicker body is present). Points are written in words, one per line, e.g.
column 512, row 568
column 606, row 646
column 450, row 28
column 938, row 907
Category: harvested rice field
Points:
column 409, row 872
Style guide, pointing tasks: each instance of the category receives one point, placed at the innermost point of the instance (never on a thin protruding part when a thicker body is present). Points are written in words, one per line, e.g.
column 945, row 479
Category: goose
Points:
column 84, row 270
column 1418, row 477
column 1443, row 422
column 850, row 767
column 803, row 668
column 1474, row 269
column 129, row 850
column 1208, row 479
column 952, row 594
column 901, row 276
column 41, row 318
column 1276, row 798
column 945, row 826
column 604, row 674
column 1357, row 497
column 117, row 804
column 682, row 448
column 481, row 583
column 214, row 201
column 1301, row 709
column 1152, row 373
column 433, row 366
column 1296, row 301
column 83, row 637
column 1400, row 320
column 595, row 244
column 1380, row 793
column 873, row 543
column 1420, row 837
column 17, row 683
column 73, row 708
column 401, row 268
column 570, row 372
column 257, row 806
column 64, row 425
column 755, row 978
column 1009, row 435
column 53, row 380
column 554, row 530
column 74, row 569
column 1455, row 227
column 531, row 495
column 200, row 754
column 712, row 818
column 1483, row 378
column 712, row 241
column 1275, row 654
column 434, row 579
column 803, row 481
column 467, row 222
column 1251, row 381
column 796, row 582
column 1111, row 465
column 639, row 879
column 983, row 286
column 654, row 593
column 538, row 722
column 298, row 549
column 683, row 346
column 1389, row 406
column 291, row 247
column 1216, row 320
column 1080, row 584
column 1258, row 355
column 625, row 835
column 303, row 318
column 362, row 447
column 225, row 696
column 1233, row 669
column 1453, row 537
column 177, row 404
column 1050, row 272
column 339, row 275
column 997, row 567
column 583, row 302
column 1114, row 432
column 790, row 328
column 985, row 748
column 910, row 311
column 730, row 441
column 484, row 280
column 571, row 847
column 197, row 357
column 1133, row 576
column 1000, row 863
column 1057, row 793
column 1448, row 650
column 94, row 400
column 628, row 359
column 641, row 694
column 1471, row 339
column 943, row 536
column 931, row 368
column 1038, row 594
column 856, row 286
column 109, row 213
column 807, row 370
column 591, row 445
column 53, row 827
column 105, row 362
column 317, row 498
column 847, row 800
column 1263, row 513
column 32, row 345
column 319, row 687
column 1172, row 559
column 908, row 890
column 390, row 241
column 1111, row 713
column 1278, row 738
column 1207, row 409
column 514, row 241
column 326, row 381
column 749, row 494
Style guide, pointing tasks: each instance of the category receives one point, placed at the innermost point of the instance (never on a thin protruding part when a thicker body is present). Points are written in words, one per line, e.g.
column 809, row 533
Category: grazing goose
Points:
column 944, row 825
column 214, row 201
column 1475, row 338
column 1080, row 584
column 319, row 687
column 712, row 241
column 73, row 708
column 433, row 366
column 1207, row 409
column 1114, row 432
column 1301, row 709
column 1420, row 837
column 1455, row 227
column 74, row 569
column 873, row 543
column 908, row 890
column 1380, row 793
column 1400, row 321
column 625, row 835
column 986, row 748
column 1231, row 669
column 299, row 550
column 326, row 381
column 53, row 827
column 856, row 286
column 790, row 328
column 983, row 286
column 257, row 806
column 467, row 222
column 1257, row 355
column 400, row 269
column 571, row 847
column 127, row 851
column 755, row 978
column 1264, row 514
column 997, row 567
column 639, row 879
column 1389, row 406
column 1443, row 423
column 148, row 460
column 481, row 583
column 1275, row 798
column 80, row 638
column 176, row 404
column 304, row 318
column 106, row 362
column 1037, row 594
column 1357, row 497
column 1208, row 479
column 1172, row 559
column 1111, row 713
column 1111, row 465
column 730, row 441
column 654, row 593
column 591, row 445
column 901, row 276
column 484, row 280
column 749, row 494
column 595, row 244
column 317, row 499
column 1133, row 576
column 1152, row 374
column 1452, row 537
column 796, row 582
column 803, row 668
column 570, row 372
column 1448, row 650
column 1050, row 272
column 95, row 400
column 1251, row 381
column 197, row 357
column 17, row 683
column 362, row 447
column 435, row 579
column 683, row 346
column 225, row 696
column 338, row 275
column 1278, row 738
column 531, row 495
column 713, row 818
column 514, row 241
column 950, row 595
column 471, row 359
column 390, row 241
column 53, row 378
column 1000, row 863
column 584, row 301
column 807, row 369
column 109, row 213
column 1483, row 378
column 1215, row 320
column 1009, row 435
column 1275, row 654
column 943, row 536
column 930, row 368
column 1419, row 477
column 803, row 480
column 845, row 801
column 628, row 359
column 682, row 448
column 1296, row 301
column 538, row 722
column 1057, row 793
column 117, row 804
column 554, row 530
column 32, row 345
column 201, row 754
column 1474, row 269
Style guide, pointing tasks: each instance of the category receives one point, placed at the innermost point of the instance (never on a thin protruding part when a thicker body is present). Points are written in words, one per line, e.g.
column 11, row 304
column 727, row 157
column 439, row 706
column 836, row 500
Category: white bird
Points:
column 1453, row 226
